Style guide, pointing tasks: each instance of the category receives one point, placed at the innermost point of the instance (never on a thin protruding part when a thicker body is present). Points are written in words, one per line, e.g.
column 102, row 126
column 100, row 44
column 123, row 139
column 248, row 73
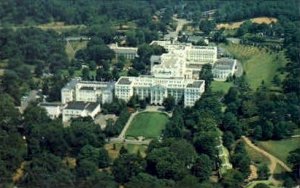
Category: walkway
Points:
column 274, row 160
column 122, row 134
column 128, row 141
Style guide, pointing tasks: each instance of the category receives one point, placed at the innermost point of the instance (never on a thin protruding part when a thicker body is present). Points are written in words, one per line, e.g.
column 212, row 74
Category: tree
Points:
column 241, row 160
column 47, row 169
column 126, row 166
column 35, row 115
column 206, row 74
column 83, row 132
column 89, row 153
column 103, row 158
column 181, row 147
column 206, row 143
column 207, row 26
column 203, row 167
column 9, row 115
column 169, row 103
column 165, row 164
column 228, row 139
column 263, row 172
column 85, row 73
column 147, row 181
column 294, row 160
column 232, row 179
column 123, row 150
column 261, row 185
column 144, row 52
column 267, row 129
column 232, row 95
column 230, row 123
column 85, row 168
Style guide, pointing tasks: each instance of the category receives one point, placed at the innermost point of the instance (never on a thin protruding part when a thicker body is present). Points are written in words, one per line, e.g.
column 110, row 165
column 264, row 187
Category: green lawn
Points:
column 147, row 124
column 221, row 86
column 280, row 148
column 258, row 64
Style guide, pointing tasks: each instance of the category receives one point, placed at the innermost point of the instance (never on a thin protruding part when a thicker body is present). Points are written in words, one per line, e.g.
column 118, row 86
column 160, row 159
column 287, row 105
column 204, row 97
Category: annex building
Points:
column 87, row 91
column 127, row 52
column 77, row 109
column 224, row 68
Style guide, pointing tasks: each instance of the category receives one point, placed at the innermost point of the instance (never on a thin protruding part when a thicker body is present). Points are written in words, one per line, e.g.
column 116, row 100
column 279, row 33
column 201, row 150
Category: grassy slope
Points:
column 147, row 124
column 258, row 63
column 280, row 148
column 256, row 157
column 73, row 46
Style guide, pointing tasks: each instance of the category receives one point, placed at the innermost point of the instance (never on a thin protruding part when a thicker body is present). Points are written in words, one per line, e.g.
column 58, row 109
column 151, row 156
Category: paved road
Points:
column 274, row 160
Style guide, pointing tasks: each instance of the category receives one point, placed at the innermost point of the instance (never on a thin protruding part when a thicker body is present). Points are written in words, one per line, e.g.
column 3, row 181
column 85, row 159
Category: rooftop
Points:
column 195, row 84
column 124, row 81
column 79, row 105
column 87, row 88
column 49, row 104
column 225, row 64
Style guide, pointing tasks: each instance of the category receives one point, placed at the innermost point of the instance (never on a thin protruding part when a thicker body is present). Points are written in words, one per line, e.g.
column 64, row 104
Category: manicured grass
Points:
column 221, row 86
column 258, row 64
column 280, row 148
column 147, row 124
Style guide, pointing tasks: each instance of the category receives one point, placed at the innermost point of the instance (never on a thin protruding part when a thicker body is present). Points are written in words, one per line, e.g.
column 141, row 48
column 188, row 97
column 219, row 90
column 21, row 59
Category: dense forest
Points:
column 93, row 11
column 52, row 155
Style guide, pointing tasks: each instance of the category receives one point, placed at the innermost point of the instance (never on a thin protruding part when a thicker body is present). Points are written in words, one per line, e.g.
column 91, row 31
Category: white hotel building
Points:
column 157, row 89
column 182, row 60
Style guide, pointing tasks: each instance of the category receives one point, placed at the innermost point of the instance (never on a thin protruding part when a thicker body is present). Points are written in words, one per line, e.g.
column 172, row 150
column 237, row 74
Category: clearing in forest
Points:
column 113, row 149
column 236, row 25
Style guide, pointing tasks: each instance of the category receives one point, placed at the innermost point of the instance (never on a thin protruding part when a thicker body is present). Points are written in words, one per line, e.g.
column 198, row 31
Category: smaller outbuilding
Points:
column 223, row 68
column 80, row 109
column 53, row 109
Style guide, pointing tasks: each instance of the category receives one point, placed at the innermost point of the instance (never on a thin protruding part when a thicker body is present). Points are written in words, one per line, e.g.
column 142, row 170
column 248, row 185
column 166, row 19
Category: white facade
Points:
column 201, row 54
column 127, row 52
column 157, row 89
column 224, row 68
column 87, row 91
column 80, row 109
column 54, row 110
column 182, row 60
